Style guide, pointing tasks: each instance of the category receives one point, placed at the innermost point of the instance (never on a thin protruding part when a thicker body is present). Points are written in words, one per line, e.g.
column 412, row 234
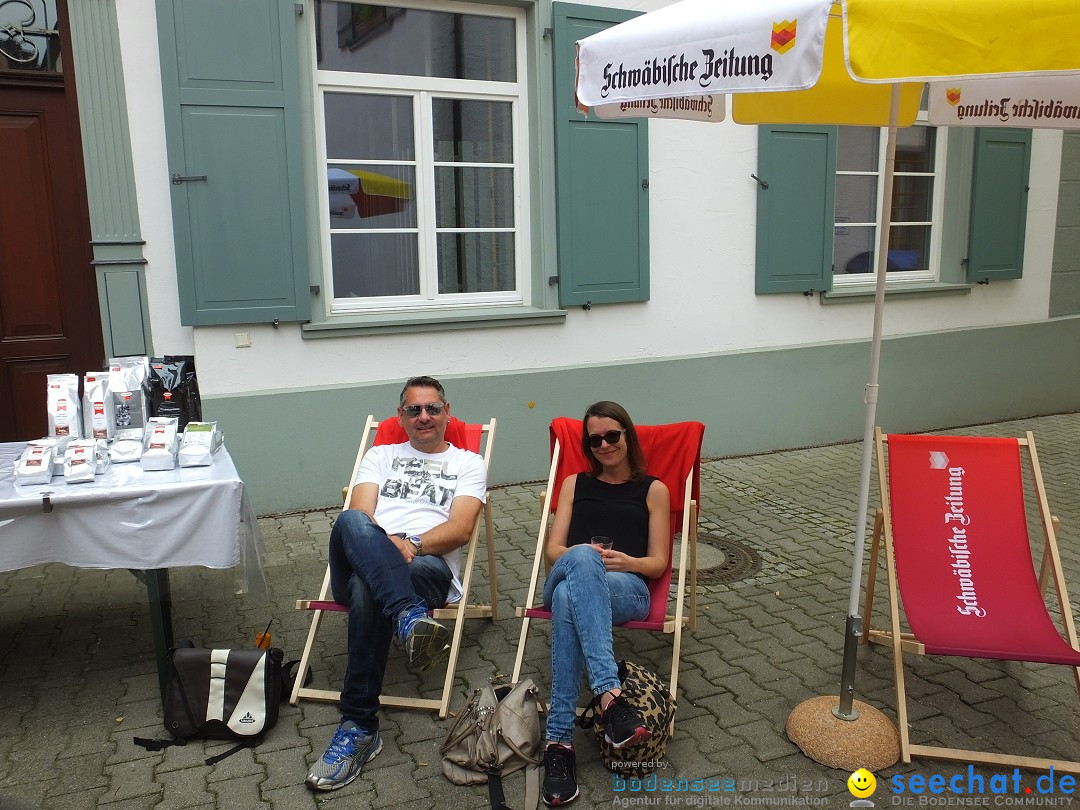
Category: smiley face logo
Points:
column 861, row 783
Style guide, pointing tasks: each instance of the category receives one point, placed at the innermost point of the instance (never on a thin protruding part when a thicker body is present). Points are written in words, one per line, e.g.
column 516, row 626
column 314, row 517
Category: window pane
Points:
column 476, row 262
column 856, row 198
column 857, row 149
column 473, row 131
column 911, row 199
column 372, row 196
column 915, row 149
column 29, row 36
column 361, row 126
column 369, row 264
column 366, row 38
column 474, row 198
column 909, row 247
column 853, row 250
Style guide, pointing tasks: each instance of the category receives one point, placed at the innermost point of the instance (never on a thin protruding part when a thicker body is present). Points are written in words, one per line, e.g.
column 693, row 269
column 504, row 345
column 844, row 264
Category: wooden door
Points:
column 49, row 316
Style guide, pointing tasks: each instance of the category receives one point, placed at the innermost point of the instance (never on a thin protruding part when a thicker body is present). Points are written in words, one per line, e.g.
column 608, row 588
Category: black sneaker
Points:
column 560, row 775
column 623, row 725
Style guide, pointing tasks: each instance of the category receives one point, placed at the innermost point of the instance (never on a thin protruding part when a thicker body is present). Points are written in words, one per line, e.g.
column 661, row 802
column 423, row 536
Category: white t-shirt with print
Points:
column 416, row 490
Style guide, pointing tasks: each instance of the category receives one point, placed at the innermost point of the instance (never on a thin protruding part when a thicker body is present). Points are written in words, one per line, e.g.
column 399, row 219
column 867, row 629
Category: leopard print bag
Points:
column 643, row 690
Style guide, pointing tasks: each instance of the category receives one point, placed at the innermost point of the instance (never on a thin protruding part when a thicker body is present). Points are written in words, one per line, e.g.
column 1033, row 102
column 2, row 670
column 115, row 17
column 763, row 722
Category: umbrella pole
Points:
column 853, row 629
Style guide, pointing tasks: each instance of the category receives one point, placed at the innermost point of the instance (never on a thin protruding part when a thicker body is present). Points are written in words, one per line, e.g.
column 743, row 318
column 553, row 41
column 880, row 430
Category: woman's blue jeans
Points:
column 368, row 573
column 585, row 600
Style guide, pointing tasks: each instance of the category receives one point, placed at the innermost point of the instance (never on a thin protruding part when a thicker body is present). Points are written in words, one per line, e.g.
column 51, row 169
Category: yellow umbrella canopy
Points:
column 828, row 50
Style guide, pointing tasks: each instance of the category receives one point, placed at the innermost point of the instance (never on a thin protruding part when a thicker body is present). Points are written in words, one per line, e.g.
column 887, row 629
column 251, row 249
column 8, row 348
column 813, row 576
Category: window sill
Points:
column 918, row 289
column 434, row 320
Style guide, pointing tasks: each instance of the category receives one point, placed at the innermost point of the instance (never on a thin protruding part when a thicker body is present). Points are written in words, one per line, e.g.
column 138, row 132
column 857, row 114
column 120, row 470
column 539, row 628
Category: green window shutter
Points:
column 999, row 204
column 602, row 170
column 230, row 80
column 795, row 214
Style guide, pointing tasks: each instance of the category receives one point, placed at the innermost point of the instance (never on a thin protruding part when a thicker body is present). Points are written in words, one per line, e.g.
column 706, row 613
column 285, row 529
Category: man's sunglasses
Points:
column 611, row 437
column 413, row 411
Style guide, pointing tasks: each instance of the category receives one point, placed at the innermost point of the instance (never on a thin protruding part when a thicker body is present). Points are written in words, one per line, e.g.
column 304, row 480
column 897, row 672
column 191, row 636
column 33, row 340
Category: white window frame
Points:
column 423, row 90
column 937, row 207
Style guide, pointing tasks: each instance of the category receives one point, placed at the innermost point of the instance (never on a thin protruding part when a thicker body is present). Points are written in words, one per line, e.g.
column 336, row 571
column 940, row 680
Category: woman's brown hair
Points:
column 613, row 410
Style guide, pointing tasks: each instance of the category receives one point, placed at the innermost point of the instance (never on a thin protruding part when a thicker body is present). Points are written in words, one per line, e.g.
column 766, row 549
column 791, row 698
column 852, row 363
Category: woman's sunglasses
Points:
column 433, row 408
column 611, row 437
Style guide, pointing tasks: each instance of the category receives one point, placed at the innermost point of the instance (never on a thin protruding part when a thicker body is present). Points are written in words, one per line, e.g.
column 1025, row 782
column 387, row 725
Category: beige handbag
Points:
column 498, row 732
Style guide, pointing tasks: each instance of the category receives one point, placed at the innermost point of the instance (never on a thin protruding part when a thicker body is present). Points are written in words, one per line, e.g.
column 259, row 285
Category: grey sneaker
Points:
column 425, row 640
column 345, row 757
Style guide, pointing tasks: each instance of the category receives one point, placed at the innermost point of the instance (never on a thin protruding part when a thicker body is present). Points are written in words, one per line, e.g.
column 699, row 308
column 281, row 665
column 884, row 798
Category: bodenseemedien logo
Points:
column 861, row 785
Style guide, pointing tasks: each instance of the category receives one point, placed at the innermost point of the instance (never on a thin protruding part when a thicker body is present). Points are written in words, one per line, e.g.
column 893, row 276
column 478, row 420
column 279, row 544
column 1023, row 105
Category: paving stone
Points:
column 77, row 649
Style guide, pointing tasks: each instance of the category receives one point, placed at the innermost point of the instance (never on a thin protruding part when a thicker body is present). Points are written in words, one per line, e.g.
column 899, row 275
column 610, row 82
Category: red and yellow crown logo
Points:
column 783, row 36
column 952, row 95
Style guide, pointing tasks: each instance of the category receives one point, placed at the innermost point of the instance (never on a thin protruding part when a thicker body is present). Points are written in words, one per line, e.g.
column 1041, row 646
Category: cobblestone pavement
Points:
column 77, row 673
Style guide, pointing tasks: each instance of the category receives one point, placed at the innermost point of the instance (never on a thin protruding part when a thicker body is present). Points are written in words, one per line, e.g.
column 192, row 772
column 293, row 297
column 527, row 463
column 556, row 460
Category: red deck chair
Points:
column 672, row 454
column 956, row 539
column 389, row 431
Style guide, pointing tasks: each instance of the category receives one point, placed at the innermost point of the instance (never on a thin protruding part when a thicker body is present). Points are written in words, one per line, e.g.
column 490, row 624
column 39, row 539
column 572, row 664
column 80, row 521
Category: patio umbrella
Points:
column 359, row 193
column 860, row 62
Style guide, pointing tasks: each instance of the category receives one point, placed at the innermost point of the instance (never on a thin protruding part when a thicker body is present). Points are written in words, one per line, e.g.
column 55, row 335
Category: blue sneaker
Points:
column 425, row 640
column 345, row 757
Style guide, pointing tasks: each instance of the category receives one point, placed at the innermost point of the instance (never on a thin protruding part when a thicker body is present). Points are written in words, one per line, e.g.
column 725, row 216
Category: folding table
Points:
column 147, row 522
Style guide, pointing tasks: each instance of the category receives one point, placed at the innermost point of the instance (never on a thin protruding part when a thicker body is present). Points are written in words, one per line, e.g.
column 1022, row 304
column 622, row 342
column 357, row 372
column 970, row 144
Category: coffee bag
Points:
column 159, row 444
column 99, row 417
column 63, row 404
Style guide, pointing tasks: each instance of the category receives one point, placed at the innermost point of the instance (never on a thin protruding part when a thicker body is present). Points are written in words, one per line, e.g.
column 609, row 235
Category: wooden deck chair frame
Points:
column 900, row 641
column 457, row 612
column 675, row 621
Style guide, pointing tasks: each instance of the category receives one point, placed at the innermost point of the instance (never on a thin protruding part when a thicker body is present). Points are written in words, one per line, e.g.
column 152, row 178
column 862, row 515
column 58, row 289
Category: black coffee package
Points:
column 174, row 389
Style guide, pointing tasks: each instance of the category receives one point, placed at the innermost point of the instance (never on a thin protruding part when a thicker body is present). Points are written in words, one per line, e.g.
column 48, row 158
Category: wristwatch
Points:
column 418, row 544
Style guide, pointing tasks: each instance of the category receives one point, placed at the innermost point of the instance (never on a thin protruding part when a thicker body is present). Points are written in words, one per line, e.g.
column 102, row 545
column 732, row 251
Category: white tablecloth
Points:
column 131, row 518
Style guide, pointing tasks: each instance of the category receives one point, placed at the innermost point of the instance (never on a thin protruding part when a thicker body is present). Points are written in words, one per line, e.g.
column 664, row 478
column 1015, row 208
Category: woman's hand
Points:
column 616, row 560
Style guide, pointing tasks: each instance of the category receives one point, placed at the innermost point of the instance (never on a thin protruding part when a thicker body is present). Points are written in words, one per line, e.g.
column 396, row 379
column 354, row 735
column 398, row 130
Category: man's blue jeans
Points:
column 585, row 600
column 368, row 573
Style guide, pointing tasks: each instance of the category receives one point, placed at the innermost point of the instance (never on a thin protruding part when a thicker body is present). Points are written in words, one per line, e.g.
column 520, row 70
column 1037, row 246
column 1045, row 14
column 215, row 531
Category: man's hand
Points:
column 408, row 552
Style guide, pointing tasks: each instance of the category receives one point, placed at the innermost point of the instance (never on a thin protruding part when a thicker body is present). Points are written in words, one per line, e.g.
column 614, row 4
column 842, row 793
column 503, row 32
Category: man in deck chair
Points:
column 395, row 552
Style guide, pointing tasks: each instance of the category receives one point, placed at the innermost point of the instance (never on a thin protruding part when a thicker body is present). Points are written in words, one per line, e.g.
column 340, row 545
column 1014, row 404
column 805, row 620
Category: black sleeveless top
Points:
column 618, row 511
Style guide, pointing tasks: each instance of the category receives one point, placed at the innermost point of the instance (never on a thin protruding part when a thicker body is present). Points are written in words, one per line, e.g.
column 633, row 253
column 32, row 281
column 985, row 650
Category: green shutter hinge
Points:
column 299, row 9
column 314, row 289
column 547, row 33
column 553, row 280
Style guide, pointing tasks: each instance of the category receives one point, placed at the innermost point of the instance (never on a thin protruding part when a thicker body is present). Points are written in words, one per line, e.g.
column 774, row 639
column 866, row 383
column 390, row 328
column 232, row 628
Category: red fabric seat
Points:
column 959, row 558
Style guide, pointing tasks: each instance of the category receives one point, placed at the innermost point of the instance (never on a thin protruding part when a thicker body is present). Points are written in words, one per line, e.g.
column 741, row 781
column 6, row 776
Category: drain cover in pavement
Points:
column 722, row 560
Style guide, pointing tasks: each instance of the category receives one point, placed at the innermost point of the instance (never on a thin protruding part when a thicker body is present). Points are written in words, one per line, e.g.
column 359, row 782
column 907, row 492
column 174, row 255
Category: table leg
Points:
column 160, row 598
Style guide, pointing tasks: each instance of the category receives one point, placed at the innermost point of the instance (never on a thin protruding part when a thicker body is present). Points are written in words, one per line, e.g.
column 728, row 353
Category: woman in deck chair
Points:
column 590, row 588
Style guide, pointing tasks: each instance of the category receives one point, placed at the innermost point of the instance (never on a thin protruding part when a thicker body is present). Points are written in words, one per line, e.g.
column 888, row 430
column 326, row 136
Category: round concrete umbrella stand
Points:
column 870, row 741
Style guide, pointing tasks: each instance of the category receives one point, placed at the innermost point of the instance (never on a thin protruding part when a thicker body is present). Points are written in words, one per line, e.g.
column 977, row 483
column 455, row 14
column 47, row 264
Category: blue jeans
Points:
column 585, row 600
column 368, row 573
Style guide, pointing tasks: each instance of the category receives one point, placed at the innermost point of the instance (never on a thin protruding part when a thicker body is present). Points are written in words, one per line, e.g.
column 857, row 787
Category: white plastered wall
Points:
column 702, row 272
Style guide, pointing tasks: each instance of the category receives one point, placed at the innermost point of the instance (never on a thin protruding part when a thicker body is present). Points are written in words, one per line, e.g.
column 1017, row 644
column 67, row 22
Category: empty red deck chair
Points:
column 957, row 549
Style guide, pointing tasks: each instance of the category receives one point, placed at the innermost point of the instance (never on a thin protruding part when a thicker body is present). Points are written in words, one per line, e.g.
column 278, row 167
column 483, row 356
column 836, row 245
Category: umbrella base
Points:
column 870, row 741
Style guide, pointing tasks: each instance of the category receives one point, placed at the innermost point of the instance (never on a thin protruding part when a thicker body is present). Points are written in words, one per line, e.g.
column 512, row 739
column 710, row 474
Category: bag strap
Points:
column 497, row 798
column 289, row 672
column 158, row 745
column 513, row 747
column 214, row 760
